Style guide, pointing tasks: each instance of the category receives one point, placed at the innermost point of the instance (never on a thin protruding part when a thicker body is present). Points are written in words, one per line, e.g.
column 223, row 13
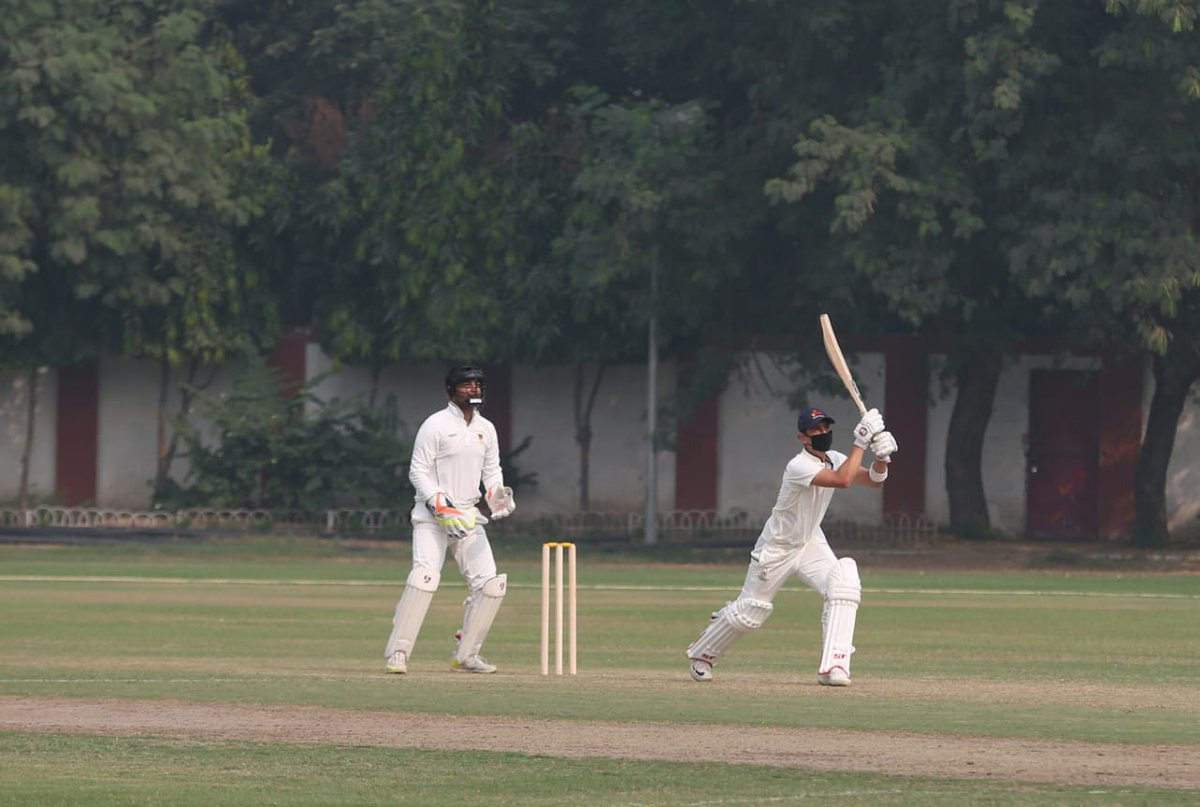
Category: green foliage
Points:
column 271, row 449
column 642, row 194
column 434, row 178
column 122, row 194
column 437, row 195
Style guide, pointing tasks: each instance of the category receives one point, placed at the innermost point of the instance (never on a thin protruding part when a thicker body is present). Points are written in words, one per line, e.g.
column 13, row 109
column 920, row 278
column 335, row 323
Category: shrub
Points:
column 275, row 448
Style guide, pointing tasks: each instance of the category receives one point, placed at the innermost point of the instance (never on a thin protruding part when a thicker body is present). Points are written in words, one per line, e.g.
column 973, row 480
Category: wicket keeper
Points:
column 455, row 454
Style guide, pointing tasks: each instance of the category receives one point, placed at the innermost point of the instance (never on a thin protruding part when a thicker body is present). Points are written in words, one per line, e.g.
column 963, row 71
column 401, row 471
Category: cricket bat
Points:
column 839, row 363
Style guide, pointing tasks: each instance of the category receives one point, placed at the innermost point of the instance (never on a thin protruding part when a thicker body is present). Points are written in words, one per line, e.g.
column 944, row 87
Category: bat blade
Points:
column 839, row 362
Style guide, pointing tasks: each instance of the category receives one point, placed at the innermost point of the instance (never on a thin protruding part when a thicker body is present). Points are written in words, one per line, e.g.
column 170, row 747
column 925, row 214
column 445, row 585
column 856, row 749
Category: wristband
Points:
column 875, row 475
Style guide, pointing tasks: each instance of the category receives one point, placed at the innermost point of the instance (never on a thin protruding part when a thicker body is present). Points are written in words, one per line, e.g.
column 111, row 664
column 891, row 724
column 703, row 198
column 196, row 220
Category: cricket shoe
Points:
column 835, row 677
column 397, row 663
column 701, row 670
column 474, row 664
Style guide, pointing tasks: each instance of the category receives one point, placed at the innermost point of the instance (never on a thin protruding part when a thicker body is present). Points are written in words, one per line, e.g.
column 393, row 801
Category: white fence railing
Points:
column 692, row 526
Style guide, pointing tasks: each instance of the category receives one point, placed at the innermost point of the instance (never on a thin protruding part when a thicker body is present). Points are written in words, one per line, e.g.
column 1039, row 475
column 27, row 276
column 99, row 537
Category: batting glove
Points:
column 458, row 523
column 870, row 425
column 884, row 446
column 501, row 502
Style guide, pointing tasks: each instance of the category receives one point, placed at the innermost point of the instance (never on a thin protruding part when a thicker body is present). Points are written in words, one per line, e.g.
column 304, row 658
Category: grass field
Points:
column 249, row 672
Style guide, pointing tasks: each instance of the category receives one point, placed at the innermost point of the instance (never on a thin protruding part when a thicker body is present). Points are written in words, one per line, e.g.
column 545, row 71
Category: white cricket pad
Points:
column 843, row 593
column 481, row 609
column 736, row 618
column 411, row 610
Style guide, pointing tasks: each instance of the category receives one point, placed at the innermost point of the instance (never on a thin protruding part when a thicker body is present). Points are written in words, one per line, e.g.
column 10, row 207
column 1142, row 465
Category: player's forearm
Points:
column 847, row 473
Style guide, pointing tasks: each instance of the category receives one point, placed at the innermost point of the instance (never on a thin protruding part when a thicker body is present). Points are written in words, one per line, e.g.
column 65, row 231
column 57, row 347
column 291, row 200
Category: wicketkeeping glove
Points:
column 884, row 446
column 501, row 502
column 458, row 523
column 870, row 425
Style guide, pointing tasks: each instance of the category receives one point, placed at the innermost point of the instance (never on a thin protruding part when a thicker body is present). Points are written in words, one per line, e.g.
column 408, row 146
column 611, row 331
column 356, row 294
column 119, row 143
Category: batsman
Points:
column 792, row 544
column 455, row 455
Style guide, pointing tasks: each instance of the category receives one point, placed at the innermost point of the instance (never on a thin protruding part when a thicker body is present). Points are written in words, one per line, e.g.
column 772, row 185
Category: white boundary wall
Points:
column 1183, row 474
column 756, row 425
column 14, row 405
column 543, row 408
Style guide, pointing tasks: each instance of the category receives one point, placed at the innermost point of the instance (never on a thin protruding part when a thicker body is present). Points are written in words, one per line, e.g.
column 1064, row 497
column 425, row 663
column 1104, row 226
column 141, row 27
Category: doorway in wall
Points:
column 1063, row 455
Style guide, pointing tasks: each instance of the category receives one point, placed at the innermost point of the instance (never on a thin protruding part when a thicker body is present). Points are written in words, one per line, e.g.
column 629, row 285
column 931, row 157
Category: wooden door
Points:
column 1062, row 455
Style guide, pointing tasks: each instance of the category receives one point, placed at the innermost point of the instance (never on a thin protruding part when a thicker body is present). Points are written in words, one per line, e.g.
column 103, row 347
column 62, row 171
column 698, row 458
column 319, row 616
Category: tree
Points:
column 125, row 124
column 437, row 202
column 922, row 185
column 1115, row 243
column 963, row 192
column 645, row 171
column 1176, row 372
column 219, row 304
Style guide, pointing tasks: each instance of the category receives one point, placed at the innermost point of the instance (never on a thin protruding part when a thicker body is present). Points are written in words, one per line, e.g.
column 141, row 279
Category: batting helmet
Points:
column 464, row 372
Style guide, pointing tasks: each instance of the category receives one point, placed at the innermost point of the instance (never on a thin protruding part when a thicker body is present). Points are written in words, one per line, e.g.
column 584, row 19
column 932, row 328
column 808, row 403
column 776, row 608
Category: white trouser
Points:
column 810, row 562
column 472, row 555
column 769, row 571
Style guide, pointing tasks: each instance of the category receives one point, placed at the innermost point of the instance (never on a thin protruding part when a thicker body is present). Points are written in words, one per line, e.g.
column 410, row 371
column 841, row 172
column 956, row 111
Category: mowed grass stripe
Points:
column 227, row 581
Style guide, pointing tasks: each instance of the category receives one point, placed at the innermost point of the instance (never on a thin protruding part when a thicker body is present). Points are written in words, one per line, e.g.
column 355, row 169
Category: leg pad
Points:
column 411, row 610
column 481, row 608
column 843, row 593
column 737, row 618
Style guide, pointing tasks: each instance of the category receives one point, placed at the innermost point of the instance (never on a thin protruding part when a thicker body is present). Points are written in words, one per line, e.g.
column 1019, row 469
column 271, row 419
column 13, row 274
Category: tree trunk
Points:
column 583, row 428
column 168, row 448
column 27, row 450
column 164, row 386
column 977, row 378
column 1174, row 374
column 376, row 372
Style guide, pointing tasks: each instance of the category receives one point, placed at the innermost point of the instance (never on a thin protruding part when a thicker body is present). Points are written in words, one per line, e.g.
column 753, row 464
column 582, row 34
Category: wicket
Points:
column 558, row 606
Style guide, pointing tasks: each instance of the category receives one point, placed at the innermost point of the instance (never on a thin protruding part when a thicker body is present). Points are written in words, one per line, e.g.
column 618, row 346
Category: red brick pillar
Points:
column 497, row 403
column 291, row 358
column 77, row 432
column 1120, row 405
column 906, row 412
column 696, row 459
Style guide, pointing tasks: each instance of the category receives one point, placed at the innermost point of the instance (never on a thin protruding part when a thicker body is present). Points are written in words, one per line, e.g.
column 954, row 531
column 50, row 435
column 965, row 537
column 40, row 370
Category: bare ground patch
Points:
column 942, row 690
column 1098, row 764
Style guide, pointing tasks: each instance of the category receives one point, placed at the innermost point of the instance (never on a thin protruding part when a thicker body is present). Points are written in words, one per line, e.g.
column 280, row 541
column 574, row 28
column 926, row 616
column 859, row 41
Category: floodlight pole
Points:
column 651, row 534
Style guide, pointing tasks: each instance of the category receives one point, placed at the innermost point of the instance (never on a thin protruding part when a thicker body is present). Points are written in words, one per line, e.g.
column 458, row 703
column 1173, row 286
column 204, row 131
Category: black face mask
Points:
column 822, row 442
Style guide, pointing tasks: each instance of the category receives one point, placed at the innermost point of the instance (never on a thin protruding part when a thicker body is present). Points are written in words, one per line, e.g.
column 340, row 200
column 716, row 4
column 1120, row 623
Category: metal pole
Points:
column 651, row 534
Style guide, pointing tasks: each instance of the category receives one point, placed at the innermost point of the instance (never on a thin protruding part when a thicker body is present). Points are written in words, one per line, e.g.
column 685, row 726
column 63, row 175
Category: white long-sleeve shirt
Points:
column 454, row 457
column 796, row 517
